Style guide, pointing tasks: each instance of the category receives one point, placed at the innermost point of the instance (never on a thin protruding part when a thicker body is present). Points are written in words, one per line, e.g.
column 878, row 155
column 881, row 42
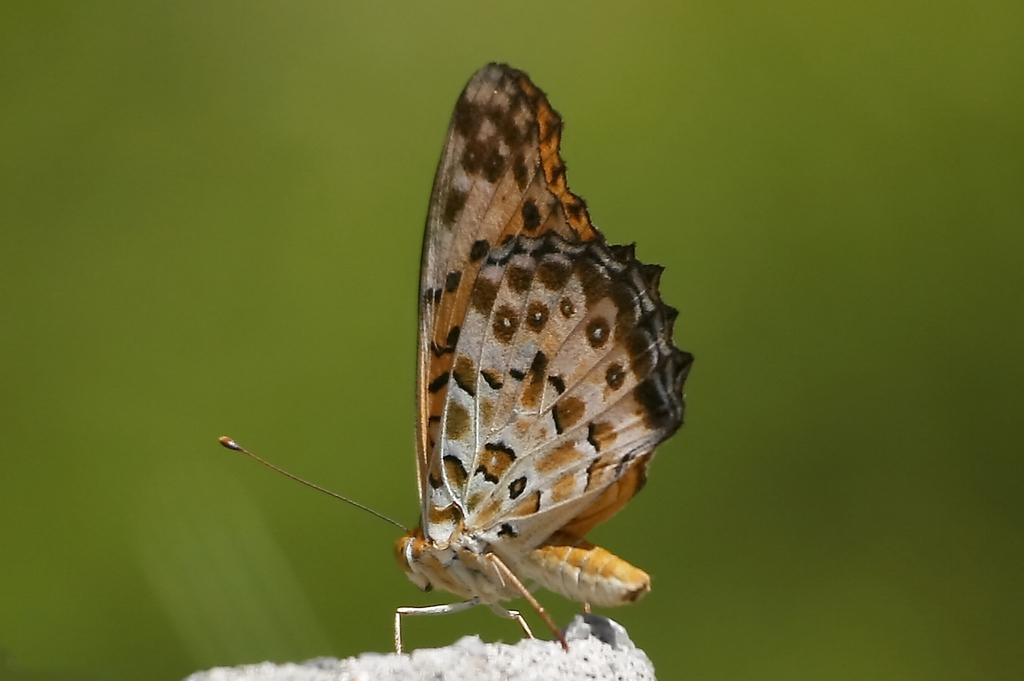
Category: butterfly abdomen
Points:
column 585, row 573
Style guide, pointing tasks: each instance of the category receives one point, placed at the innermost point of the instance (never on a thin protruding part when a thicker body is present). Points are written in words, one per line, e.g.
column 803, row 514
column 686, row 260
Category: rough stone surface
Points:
column 598, row 649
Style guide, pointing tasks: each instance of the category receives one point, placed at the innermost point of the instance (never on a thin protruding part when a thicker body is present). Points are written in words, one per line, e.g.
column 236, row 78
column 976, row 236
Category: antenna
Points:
column 231, row 444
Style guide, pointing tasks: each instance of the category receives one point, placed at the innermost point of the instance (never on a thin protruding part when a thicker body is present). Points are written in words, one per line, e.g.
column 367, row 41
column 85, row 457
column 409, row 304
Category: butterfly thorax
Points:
column 458, row 566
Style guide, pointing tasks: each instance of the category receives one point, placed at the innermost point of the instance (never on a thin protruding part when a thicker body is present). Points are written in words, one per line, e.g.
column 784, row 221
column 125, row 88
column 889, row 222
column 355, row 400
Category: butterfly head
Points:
column 409, row 550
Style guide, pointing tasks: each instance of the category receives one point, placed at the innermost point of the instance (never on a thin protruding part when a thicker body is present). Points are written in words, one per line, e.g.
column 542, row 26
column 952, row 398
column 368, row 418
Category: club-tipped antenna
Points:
column 231, row 444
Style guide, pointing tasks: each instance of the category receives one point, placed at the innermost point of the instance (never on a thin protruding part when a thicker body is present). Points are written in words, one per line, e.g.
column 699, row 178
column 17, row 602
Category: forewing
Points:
column 500, row 176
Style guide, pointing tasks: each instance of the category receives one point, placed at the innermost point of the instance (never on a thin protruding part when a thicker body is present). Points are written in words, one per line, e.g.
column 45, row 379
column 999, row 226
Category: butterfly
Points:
column 547, row 374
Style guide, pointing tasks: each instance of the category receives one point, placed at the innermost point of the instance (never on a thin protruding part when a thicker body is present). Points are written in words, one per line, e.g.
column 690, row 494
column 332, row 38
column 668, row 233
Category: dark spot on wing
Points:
column 567, row 308
column 439, row 382
column 642, row 354
column 553, row 273
column 531, row 216
column 520, row 171
column 501, row 447
column 593, row 280
column 494, row 165
column 660, row 410
column 453, row 336
column 479, row 250
column 466, row 117
column 451, row 282
column 505, row 324
column 454, row 202
column 536, row 316
column 615, row 376
column 516, row 487
column 597, row 333
column 519, row 278
column 484, row 293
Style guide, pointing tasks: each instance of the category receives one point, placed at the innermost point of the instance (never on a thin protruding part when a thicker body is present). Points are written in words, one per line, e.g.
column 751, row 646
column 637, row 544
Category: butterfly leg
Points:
column 510, row 576
column 513, row 615
column 429, row 610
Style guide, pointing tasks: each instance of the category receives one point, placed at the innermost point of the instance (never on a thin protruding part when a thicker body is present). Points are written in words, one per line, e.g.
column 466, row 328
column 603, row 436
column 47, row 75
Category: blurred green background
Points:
column 210, row 221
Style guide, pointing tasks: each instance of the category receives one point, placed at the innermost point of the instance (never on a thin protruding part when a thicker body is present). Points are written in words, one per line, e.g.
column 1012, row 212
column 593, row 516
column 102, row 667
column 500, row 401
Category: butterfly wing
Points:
column 564, row 383
column 500, row 175
column 547, row 373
